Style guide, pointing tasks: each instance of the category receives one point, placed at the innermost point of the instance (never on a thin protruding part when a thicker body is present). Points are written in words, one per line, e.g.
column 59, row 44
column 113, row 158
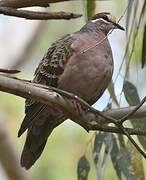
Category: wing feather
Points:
column 47, row 73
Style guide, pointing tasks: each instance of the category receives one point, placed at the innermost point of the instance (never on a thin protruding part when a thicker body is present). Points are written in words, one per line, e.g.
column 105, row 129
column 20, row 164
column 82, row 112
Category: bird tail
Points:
column 37, row 135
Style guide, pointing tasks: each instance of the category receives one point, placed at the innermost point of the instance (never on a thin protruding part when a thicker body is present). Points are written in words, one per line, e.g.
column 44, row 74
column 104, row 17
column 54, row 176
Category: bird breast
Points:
column 88, row 74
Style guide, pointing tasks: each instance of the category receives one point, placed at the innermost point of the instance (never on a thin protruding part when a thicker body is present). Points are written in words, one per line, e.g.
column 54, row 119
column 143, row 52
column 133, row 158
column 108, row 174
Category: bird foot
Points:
column 77, row 106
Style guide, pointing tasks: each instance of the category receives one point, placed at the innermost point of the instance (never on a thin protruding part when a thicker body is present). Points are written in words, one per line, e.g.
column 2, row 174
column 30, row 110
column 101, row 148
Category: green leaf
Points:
column 133, row 99
column 114, row 154
column 83, row 168
column 112, row 93
column 125, row 164
column 108, row 141
column 131, row 93
column 99, row 159
column 136, row 160
column 91, row 6
column 143, row 59
column 98, row 142
column 129, row 11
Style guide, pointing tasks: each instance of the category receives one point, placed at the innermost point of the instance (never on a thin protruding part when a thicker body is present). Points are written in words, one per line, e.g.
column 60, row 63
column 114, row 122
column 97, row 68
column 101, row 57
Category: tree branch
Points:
column 35, row 15
column 27, row 3
column 86, row 118
column 9, row 71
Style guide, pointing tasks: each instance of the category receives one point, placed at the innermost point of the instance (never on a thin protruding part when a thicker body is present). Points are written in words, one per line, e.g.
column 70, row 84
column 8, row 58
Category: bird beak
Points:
column 118, row 26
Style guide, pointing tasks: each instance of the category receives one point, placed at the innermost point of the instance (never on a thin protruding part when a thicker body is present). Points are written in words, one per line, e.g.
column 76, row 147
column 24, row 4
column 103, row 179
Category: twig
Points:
column 136, row 131
column 35, row 15
column 122, row 128
column 27, row 3
column 122, row 112
column 9, row 71
column 132, row 140
column 132, row 112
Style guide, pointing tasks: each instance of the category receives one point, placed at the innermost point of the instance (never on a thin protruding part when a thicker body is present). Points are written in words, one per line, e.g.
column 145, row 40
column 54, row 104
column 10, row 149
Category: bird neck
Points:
column 90, row 27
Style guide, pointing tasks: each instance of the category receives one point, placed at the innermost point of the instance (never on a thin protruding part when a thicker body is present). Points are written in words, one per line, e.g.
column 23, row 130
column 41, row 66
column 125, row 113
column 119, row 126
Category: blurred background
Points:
column 22, row 45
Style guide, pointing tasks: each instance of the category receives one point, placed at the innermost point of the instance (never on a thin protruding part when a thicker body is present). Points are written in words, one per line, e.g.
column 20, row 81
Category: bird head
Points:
column 105, row 22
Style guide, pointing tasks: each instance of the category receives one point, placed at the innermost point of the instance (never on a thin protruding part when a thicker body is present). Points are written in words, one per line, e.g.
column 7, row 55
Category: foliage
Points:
column 83, row 168
column 125, row 158
column 106, row 147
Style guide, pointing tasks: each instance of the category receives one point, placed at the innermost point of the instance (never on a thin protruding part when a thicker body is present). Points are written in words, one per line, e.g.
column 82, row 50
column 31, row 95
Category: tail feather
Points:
column 37, row 135
column 32, row 115
column 34, row 145
column 28, row 158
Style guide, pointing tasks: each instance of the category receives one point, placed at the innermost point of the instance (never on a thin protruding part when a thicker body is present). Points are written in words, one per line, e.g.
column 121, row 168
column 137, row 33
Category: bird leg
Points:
column 77, row 106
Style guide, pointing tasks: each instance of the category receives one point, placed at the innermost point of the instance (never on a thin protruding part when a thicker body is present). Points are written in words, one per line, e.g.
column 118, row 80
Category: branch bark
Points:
column 35, row 15
column 27, row 3
column 87, row 119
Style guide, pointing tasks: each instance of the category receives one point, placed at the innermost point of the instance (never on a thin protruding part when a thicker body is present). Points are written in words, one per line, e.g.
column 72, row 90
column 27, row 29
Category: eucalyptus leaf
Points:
column 136, row 160
column 143, row 59
column 132, row 97
column 129, row 11
column 114, row 154
column 98, row 142
column 125, row 164
column 108, row 141
column 131, row 93
column 143, row 8
column 83, row 168
column 99, row 159
column 111, row 90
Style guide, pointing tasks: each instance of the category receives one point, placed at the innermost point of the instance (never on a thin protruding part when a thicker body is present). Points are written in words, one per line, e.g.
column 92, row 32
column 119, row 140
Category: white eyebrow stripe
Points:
column 100, row 19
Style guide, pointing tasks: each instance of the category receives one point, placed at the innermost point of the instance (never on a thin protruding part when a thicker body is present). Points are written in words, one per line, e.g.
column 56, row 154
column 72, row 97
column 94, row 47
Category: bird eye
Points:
column 105, row 18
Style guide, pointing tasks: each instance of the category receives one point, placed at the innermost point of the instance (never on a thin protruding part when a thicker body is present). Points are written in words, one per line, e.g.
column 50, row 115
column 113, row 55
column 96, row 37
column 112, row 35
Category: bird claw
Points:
column 77, row 106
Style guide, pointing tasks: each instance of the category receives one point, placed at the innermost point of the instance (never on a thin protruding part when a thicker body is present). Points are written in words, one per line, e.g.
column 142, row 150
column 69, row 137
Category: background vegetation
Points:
column 70, row 151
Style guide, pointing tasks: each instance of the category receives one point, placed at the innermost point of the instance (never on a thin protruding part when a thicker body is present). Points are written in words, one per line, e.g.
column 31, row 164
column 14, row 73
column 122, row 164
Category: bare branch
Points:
column 132, row 112
column 27, row 3
column 122, row 112
column 136, row 131
column 35, row 15
column 87, row 119
column 9, row 71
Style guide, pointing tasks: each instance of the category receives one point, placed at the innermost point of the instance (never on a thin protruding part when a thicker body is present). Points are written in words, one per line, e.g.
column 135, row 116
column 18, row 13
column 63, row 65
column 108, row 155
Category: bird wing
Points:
column 47, row 73
column 40, row 119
